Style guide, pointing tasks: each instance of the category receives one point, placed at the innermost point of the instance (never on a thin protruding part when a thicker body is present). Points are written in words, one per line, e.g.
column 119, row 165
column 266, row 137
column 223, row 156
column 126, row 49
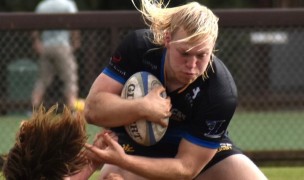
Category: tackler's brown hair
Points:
column 48, row 146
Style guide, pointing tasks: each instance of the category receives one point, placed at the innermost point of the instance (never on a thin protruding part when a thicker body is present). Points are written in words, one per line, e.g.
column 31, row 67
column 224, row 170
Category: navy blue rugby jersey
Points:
column 200, row 113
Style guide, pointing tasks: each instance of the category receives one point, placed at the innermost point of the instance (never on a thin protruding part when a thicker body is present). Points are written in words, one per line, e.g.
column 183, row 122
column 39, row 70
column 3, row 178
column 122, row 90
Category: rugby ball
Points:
column 142, row 131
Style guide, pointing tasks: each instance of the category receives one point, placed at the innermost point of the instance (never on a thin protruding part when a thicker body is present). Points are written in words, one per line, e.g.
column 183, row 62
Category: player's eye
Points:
column 185, row 54
column 201, row 56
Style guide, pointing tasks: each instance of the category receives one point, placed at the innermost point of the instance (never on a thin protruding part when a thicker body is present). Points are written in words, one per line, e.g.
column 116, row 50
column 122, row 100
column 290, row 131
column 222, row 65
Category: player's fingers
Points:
column 113, row 176
column 98, row 135
column 163, row 122
column 113, row 135
column 169, row 113
column 163, row 93
column 93, row 149
column 108, row 139
column 111, row 142
column 169, row 104
column 159, row 89
column 106, row 131
column 169, row 100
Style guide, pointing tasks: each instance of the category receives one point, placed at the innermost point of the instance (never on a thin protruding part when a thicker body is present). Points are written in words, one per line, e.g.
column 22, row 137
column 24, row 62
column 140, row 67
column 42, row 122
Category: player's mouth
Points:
column 190, row 75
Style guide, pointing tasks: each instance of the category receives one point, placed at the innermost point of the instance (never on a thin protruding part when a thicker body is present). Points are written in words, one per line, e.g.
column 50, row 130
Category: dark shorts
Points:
column 227, row 149
column 165, row 149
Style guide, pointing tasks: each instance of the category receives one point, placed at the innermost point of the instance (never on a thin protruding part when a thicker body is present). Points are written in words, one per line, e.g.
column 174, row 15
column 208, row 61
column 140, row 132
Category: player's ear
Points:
column 167, row 39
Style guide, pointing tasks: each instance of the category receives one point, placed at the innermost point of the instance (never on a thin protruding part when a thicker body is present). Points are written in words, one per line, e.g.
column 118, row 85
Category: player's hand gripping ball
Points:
column 143, row 131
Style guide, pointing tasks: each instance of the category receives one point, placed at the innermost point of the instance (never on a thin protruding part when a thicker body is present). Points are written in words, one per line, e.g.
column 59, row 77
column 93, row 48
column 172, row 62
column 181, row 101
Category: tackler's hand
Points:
column 99, row 142
column 112, row 152
column 113, row 176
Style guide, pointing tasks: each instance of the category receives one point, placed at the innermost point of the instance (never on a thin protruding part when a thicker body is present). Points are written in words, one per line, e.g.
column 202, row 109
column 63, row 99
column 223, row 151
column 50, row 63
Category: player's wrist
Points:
column 139, row 107
column 124, row 161
column 143, row 106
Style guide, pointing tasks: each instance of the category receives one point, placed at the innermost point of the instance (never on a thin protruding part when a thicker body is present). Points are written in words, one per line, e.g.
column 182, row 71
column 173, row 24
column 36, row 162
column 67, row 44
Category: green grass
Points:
column 249, row 130
column 272, row 173
column 9, row 126
column 283, row 173
column 280, row 130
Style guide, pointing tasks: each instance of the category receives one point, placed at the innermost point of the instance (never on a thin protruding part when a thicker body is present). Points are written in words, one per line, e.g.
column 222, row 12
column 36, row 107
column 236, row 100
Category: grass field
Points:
column 249, row 130
column 10, row 124
column 281, row 130
column 272, row 173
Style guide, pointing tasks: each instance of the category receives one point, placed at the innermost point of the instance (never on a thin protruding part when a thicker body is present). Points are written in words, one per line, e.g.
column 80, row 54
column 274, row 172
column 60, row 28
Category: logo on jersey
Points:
column 127, row 148
column 117, row 69
column 177, row 115
column 195, row 92
column 149, row 64
column 116, row 58
column 213, row 128
column 224, row 147
column 192, row 95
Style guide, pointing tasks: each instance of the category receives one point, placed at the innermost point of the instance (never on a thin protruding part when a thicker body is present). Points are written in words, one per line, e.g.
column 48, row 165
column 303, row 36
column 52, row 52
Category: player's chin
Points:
column 188, row 80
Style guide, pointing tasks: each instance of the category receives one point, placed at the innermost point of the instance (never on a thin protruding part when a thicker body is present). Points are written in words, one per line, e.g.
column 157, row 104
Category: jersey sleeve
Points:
column 126, row 59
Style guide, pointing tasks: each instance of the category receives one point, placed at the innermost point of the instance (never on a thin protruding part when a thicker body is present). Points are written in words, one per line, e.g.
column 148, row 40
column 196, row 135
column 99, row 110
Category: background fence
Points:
column 262, row 48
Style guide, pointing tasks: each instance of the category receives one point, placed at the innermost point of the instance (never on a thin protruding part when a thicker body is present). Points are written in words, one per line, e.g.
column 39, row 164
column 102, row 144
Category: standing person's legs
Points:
column 67, row 70
column 46, row 75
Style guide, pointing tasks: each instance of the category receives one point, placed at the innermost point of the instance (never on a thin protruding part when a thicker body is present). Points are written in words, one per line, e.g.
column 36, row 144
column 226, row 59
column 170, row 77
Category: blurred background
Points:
column 261, row 42
column 97, row 5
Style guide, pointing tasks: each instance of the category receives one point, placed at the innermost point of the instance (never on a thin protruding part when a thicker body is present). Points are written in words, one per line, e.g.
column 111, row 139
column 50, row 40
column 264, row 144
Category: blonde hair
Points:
column 47, row 146
column 198, row 21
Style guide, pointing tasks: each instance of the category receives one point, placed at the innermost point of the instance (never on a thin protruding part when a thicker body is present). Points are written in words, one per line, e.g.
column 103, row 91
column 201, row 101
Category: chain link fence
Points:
column 264, row 56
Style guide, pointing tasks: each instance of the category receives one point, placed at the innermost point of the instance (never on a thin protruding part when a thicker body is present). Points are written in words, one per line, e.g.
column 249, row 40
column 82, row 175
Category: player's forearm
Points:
column 109, row 110
column 161, row 168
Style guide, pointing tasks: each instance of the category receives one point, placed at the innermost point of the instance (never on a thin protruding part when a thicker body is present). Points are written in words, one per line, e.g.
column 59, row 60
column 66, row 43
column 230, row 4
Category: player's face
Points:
column 186, row 61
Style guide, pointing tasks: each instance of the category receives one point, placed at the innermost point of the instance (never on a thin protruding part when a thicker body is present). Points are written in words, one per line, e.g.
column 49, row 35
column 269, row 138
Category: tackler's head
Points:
column 47, row 146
